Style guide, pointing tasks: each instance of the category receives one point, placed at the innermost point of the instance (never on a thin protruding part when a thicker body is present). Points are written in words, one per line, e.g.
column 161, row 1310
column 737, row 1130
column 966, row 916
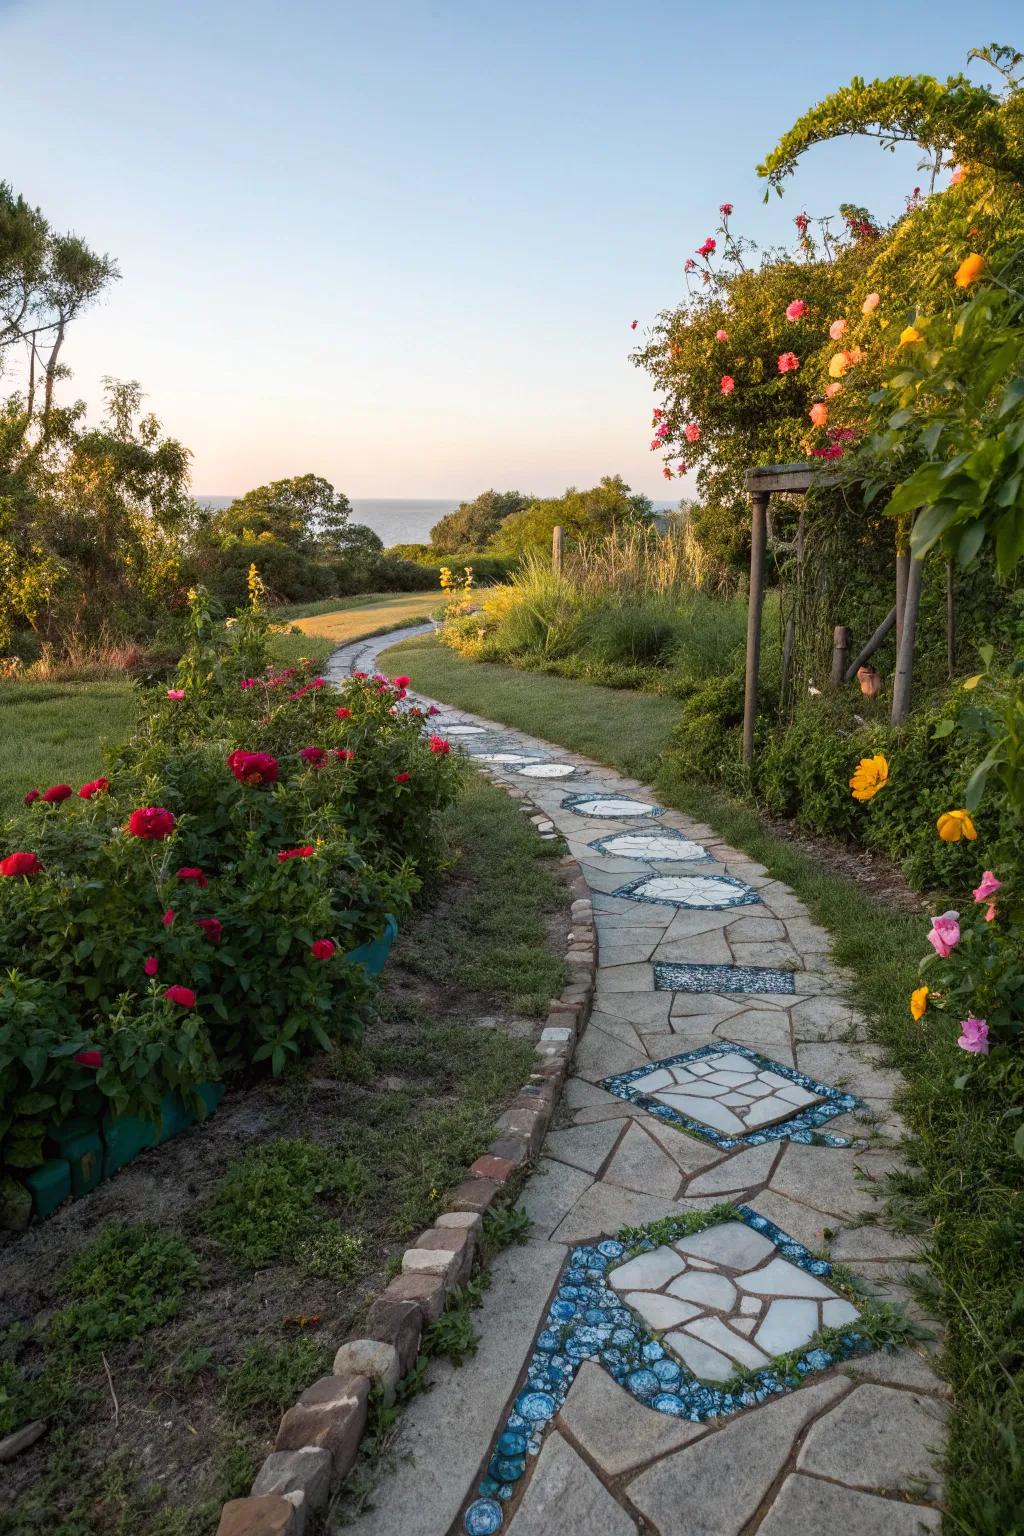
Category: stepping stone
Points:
column 807, row 1507
column 612, row 807
column 639, row 1163
column 877, row 1438
column 652, row 847
column 563, row 1485
column 788, row 1325
column 649, row 1271
column 547, row 771
column 700, row 892
column 616, row 1431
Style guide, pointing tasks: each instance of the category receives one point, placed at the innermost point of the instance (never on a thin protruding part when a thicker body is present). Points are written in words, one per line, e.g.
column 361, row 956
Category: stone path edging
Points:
column 318, row 1439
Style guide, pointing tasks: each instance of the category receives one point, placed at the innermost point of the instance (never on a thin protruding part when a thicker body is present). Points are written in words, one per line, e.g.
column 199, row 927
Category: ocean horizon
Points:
column 398, row 519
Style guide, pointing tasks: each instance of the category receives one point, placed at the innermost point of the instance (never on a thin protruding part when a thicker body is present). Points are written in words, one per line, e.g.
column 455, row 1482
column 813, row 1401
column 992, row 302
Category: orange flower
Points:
column 953, row 825
column 870, row 775
column 919, row 1002
column 870, row 304
column 818, row 414
column 833, row 389
column 969, row 270
column 909, row 335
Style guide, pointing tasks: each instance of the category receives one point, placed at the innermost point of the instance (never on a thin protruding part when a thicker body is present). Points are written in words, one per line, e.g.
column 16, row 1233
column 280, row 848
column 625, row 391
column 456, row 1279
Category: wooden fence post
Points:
column 755, row 604
column 872, row 645
column 840, row 650
column 904, row 679
column 557, row 546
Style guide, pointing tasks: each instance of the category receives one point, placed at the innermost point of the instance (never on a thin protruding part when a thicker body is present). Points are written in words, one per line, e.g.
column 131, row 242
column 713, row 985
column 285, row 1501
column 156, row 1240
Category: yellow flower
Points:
column 909, row 335
column 869, row 776
column 969, row 270
column 919, row 1002
column 839, row 364
column 953, row 825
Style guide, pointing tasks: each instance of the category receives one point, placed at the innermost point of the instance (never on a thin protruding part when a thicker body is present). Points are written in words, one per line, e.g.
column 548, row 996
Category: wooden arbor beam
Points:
column 759, row 485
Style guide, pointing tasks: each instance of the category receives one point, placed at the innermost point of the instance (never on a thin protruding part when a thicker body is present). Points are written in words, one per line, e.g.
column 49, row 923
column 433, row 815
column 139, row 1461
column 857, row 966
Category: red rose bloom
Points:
column 94, row 787
column 298, row 694
column 402, row 778
column 438, row 744
column 323, row 949
column 183, row 996
column 56, row 793
column 402, row 682
column 256, row 768
column 168, row 917
column 433, row 710
column 151, row 965
column 20, row 864
column 360, row 675
column 193, row 873
column 89, row 1058
column 314, row 756
column 305, row 852
column 151, row 822
column 344, row 755
column 319, row 682
column 343, row 713
column 32, row 796
column 212, row 927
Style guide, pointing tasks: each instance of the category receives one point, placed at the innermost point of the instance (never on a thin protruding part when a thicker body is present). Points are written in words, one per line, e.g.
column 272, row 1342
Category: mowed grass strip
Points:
column 624, row 729
column 54, row 733
column 342, row 619
column 963, row 1193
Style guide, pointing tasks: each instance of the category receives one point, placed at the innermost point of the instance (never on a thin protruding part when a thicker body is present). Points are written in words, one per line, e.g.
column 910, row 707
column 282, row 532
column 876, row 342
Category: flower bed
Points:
column 211, row 905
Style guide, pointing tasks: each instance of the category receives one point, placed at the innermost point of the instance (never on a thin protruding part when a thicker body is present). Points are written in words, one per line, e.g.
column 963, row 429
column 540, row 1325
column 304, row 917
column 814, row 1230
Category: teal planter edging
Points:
column 89, row 1150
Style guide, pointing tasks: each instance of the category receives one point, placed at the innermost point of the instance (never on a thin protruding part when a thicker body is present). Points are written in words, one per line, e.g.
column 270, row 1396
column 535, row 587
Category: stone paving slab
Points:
column 856, row 1447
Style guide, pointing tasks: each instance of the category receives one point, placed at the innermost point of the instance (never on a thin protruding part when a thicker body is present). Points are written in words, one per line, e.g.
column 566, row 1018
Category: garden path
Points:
column 633, row 1387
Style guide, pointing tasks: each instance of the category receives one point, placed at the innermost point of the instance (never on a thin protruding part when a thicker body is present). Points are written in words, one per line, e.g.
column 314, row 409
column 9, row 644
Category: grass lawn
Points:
column 54, row 733
column 350, row 618
column 964, row 1194
column 254, row 1243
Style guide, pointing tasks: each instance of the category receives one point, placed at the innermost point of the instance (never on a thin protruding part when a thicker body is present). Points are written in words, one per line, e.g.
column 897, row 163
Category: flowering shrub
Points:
column 193, row 916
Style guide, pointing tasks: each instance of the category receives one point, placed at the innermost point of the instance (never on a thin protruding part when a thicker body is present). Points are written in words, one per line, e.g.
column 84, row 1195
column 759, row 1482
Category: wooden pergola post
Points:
column 759, row 484
column 557, row 548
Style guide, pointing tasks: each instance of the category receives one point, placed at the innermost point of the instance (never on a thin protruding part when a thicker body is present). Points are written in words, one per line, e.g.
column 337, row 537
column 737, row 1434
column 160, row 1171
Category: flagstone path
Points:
column 629, row 1385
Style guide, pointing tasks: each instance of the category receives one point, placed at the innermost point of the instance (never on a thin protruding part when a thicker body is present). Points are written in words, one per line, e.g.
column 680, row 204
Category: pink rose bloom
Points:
column 692, row 433
column 870, row 304
column 988, row 887
column 833, row 389
column 150, row 965
column 721, row 335
column 682, row 468
column 788, row 362
column 728, row 383
column 175, row 693
column 796, row 309
column 990, row 914
column 974, row 1037
column 725, row 210
column 632, row 325
column 837, row 330
column 945, row 934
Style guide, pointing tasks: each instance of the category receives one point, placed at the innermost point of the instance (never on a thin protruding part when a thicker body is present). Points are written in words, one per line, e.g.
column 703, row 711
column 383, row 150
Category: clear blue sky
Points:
column 400, row 244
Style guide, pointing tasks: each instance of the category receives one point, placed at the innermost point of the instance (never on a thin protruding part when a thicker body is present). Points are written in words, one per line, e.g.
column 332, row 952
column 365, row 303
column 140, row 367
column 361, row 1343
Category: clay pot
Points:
column 870, row 682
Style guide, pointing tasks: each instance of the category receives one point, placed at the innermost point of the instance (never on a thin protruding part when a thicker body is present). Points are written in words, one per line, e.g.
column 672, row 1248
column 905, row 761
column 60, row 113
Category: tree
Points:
column 583, row 514
column 473, row 524
column 46, row 280
column 305, row 512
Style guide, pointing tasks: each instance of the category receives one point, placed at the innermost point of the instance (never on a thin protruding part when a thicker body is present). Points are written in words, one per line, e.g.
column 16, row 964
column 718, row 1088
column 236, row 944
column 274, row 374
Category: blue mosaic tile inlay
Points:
column 606, row 806
column 801, row 1126
column 662, row 846
column 588, row 1320
column 722, row 978
column 696, row 893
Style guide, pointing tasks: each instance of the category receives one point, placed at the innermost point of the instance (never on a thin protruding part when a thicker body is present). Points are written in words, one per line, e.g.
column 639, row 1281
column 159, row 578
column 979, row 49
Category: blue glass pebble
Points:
column 563, row 1311
column 611, row 1248
column 547, row 1341
column 483, row 1518
column 667, row 1372
column 535, row 1406
column 506, row 1469
column 643, row 1384
column 511, row 1444
column 670, row 1402
column 653, row 1351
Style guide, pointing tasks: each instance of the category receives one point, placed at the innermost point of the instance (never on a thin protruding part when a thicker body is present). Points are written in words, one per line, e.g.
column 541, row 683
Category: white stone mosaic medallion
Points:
column 464, row 730
column 510, row 759
column 727, row 1092
column 725, row 1299
column 547, row 771
column 712, row 893
column 613, row 806
column 652, row 846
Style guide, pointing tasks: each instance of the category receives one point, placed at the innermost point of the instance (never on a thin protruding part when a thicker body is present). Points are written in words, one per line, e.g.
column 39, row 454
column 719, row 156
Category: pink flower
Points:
column 721, row 335
column 212, row 927
column 402, row 682
column 168, row 917
column 175, row 693
column 183, row 996
column 359, row 675
column 194, row 873
column 692, row 433
column 944, row 935
column 728, row 384
column 632, row 325
column 706, row 249
column 870, row 304
column 796, row 309
column 788, row 362
column 433, row 710
column 974, row 1037
column 322, row 949
column 151, row 965
column 402, row 778
column 725, row 210
column 990, row 912
column 32, row 797
column 837, row 330
column 988, row 887
column 833, row 389
column 689, row 265
column 89, row 1058
column 438, row 744
column 314, row 757
column 344, row 755
column 662, row 430
column 249, row 682
column 681, row 469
